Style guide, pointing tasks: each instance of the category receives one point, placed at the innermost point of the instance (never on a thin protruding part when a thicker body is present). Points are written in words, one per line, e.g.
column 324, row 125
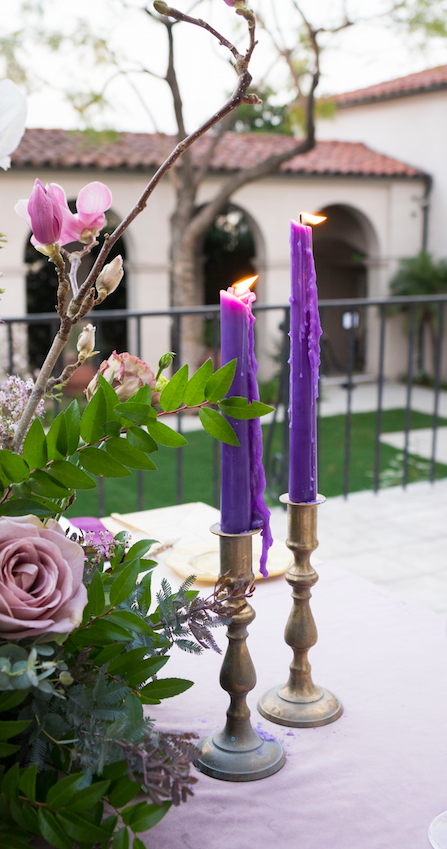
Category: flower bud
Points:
column 160, row 7
column 45, row 213
column 86, row 342
column 165, row 361
column 66, row 679
column 110, row 277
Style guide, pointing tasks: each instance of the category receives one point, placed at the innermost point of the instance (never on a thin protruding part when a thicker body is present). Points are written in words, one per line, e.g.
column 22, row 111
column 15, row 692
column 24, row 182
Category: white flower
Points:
column 13, row 111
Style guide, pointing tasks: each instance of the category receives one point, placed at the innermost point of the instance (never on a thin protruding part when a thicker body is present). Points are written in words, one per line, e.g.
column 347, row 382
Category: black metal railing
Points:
column 346, row 361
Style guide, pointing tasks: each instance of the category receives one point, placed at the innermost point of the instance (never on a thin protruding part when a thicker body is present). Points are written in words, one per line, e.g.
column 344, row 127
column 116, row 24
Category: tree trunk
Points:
column 187, row 282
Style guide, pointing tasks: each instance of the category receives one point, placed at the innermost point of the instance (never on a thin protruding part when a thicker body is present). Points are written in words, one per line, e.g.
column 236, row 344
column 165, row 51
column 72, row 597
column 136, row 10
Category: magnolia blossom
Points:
column 86, row 342
column 13, row 111
column 110, row 277
column 92, row 202
column 41, row 588
column 126, row 374
column 47, row 214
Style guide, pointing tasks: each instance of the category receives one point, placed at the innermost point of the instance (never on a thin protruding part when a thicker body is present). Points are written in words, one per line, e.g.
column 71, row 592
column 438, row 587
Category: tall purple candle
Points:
column 242, row 473
column 305, row 332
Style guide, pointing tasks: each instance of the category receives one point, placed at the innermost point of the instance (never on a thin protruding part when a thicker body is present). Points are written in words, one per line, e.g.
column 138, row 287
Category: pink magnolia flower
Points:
column 43, row 212
column 125, row 374
column 47, row 213
column 92, row 202
column 41, row 588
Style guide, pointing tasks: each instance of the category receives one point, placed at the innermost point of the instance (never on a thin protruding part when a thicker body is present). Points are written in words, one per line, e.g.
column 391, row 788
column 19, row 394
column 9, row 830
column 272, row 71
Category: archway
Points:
column 41, row 287
column 229, row 253
column 342, row 245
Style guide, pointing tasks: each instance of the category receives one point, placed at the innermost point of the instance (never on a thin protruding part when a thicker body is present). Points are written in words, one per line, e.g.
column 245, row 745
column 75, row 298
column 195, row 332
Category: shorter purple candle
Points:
column 242, row 472
column 305, row 332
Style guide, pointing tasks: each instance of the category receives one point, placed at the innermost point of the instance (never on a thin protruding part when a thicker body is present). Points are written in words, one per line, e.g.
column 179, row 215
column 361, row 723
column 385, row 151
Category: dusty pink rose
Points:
column 41, row 589
column 125, row 374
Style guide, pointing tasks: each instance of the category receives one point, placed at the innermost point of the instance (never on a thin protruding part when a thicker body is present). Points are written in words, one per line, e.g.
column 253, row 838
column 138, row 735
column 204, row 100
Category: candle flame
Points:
column 244, row 285
column 309, row 218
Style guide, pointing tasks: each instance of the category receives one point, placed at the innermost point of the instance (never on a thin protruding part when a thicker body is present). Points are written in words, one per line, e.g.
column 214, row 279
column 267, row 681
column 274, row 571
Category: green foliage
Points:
column 112, row 438
column 72, row 729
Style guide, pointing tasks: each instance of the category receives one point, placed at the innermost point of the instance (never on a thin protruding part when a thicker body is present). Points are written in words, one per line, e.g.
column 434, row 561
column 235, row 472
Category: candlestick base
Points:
column 300, row 703
column 297, row 713
column 237, row 752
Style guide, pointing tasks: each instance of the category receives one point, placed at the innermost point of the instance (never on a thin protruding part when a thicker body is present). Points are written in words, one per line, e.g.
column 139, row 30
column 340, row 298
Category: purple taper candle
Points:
column 305, row 332
column 242, row 472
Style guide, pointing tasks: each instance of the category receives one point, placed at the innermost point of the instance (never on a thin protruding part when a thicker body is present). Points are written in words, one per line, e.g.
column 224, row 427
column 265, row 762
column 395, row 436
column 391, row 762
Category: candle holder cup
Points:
column 300, row 703
column 237, row 752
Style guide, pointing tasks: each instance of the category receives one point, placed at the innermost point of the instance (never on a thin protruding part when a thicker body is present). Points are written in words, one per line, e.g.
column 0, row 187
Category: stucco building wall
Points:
column 390, row 207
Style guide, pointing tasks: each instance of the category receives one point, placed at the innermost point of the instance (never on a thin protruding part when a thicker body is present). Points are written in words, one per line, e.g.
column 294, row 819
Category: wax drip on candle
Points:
column 260, row 512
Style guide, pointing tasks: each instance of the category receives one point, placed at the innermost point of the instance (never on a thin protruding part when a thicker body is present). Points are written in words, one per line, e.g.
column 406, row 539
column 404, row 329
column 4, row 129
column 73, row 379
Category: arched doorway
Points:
column 229, row 250
column 342, row 245
column 41, row 287
column 229, row 254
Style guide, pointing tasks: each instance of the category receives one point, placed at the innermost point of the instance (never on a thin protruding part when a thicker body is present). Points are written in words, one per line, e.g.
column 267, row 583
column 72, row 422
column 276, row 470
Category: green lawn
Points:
column 197, row 456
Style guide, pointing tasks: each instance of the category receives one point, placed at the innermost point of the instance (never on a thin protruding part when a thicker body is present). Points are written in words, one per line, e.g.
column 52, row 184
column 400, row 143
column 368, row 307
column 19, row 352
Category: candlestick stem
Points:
column 237, row 752
column 300, row 703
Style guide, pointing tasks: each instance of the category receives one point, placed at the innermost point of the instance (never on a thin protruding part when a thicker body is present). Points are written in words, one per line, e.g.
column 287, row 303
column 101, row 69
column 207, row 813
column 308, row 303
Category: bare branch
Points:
column 207, row 214
column 235, row 100
column 167, row 11
column 223, row 126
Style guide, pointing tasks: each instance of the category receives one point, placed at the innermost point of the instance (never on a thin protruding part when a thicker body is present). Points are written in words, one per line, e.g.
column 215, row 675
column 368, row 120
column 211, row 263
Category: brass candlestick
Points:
column 237, row 752
column 300, row 703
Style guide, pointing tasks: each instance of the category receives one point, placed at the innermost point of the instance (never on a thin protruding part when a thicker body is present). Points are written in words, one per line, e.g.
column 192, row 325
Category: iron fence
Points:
column 344, row 357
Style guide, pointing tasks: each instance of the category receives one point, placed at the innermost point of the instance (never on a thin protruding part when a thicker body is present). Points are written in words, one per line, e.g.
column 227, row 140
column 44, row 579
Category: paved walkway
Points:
column 397, row 539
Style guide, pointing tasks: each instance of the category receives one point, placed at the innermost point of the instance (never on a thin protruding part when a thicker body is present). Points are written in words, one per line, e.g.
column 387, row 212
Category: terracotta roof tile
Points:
column 428, row 80
column 138, row 151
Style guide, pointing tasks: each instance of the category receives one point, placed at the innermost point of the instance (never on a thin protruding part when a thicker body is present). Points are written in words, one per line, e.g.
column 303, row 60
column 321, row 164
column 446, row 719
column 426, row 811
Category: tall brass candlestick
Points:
column 237, row 752
column 300, row 703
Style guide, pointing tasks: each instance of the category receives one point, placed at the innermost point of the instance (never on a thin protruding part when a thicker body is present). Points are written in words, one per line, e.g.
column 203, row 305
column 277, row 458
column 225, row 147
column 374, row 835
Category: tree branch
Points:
column 235, row 100
column 207, row 214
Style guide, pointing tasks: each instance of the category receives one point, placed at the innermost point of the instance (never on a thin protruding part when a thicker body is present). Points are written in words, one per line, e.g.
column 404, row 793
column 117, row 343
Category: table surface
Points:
column 372, row 780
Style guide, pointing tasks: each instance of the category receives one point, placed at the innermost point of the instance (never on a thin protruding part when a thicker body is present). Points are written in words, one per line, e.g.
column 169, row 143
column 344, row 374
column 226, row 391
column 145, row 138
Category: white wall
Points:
column 391, row 207
column 412, row 129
